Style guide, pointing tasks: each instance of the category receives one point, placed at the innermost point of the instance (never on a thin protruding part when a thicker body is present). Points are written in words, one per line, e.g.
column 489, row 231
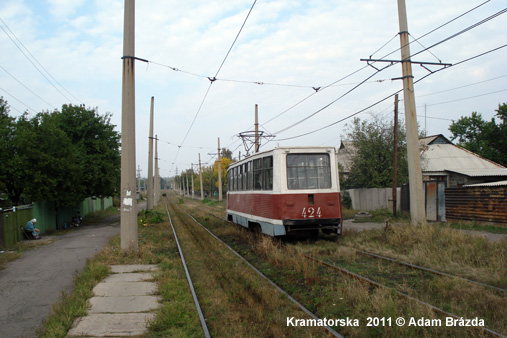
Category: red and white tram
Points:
column 287, row 190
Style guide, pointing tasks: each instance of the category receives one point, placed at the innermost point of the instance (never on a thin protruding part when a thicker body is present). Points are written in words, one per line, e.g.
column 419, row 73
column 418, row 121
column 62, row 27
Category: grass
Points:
column 333, row 296
column 175, row 318
column 478, row 227
column 230, row 294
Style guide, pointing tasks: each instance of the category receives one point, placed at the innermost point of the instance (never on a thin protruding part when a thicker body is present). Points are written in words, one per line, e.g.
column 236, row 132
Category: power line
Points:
column 34, row 58
column 15, row 98
column 461, row 87
column 448, row 22
column 31, row 91
column 392, row 63
column 387, row 97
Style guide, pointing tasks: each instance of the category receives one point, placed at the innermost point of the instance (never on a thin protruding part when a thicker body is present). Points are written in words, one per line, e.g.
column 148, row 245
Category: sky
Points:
column 55, row 52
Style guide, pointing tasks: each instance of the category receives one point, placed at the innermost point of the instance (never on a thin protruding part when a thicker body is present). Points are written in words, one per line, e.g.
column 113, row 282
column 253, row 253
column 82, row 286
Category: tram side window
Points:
column 229, row 180
column 267, row 173
column 249, row 176
column 308, row 171
column 257, row 174
column 240, row 177
column 236, row 178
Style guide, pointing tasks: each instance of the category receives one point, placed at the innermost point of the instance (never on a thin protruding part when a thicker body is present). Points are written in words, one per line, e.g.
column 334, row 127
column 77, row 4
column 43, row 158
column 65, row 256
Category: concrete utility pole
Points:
column 156, row 190
column 200, row 177
column 188, row 186
column 219, row 173
column 139, row 179
column 417, row 213
column 150, row 158
column 256, row 128
column 192, row 173
column 128, row 213
column 395, row 153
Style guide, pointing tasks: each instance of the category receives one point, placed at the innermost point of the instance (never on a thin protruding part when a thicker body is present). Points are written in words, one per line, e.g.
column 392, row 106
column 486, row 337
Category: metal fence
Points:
column 49, row 218
column 480, row 204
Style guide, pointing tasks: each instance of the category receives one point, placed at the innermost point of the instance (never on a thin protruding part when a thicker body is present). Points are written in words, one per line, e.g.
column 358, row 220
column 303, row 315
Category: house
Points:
column 441, row 160
column 457, row 182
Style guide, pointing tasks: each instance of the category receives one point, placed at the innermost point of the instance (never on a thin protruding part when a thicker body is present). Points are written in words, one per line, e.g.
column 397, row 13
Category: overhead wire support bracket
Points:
column 135, row 58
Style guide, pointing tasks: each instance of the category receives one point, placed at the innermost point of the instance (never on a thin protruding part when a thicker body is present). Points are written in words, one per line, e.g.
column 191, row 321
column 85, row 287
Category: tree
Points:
column 7, row 128
column 373, row 157
column 62, row 157
column 485, row 138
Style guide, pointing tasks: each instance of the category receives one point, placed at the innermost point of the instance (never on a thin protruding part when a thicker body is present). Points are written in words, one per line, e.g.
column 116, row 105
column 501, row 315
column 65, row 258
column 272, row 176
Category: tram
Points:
column 286, row 191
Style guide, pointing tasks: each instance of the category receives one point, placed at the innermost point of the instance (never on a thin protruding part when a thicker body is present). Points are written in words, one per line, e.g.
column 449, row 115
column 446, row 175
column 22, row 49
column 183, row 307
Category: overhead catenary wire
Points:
column 213, row 79
column 425, row 49
column 389, row 96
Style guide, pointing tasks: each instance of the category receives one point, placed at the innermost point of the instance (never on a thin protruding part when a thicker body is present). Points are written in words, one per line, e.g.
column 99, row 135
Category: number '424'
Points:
column 311, row 212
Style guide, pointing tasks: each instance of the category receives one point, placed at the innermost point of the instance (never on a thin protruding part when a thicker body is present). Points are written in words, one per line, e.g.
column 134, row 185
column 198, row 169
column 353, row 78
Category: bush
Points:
column 346, row 200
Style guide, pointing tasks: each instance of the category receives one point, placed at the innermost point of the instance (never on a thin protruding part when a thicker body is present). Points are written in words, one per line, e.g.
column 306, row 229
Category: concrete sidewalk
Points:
column 122, row 305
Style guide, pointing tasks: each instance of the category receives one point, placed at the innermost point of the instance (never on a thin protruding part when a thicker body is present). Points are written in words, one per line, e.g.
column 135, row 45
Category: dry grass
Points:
column 440, row 248
column 331, row 295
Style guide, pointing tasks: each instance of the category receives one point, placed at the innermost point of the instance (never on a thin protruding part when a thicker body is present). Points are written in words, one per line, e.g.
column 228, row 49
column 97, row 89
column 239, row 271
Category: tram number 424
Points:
column 311, row 212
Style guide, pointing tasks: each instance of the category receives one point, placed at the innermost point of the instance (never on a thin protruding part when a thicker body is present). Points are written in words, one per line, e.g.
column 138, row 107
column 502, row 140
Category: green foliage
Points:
column 146, row 217
column 485, row 138
column 373, row 156
column 61, row 156
column 346, row 200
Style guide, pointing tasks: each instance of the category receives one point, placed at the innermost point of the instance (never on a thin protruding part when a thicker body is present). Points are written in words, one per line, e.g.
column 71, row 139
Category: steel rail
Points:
column 379, row 285
column 301, row 306
column 417, row 267
column 189, row 279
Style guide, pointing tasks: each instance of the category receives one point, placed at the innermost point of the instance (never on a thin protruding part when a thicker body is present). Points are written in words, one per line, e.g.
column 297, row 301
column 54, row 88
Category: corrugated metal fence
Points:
column 48, row 217
column 481, row 204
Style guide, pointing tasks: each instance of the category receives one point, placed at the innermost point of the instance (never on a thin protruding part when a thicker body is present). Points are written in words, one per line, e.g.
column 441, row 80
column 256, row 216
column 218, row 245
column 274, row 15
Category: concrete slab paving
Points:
column 125, row 289
column 128, row 277
column 107, row 325
column 123, row 304
column 133, row 268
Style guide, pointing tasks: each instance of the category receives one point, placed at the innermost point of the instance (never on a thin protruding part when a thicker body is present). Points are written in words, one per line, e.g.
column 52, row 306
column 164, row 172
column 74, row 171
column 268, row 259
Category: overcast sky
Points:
column 285, row 48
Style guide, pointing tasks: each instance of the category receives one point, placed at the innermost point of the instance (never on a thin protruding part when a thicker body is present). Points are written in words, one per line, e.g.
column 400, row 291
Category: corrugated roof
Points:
column 481, row 172
column 440, row 157
column 491, row 184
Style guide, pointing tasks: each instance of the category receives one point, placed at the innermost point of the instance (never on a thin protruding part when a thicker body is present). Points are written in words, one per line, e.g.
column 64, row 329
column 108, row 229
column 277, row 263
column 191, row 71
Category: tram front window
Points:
column 308, row 171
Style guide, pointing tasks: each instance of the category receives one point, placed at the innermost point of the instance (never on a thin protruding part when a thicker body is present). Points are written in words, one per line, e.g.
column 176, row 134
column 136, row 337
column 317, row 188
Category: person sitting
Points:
column 30, row 226
column 76, row 220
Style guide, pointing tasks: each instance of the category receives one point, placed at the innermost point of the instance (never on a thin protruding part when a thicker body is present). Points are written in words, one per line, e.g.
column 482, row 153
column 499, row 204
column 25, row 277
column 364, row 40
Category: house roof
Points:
column 491, row 184
column 481, row 172
column 439, row 154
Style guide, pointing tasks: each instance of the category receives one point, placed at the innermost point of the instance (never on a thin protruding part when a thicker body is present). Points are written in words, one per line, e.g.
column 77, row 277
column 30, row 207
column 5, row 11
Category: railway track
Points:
column 489, row 332
column 215, row 259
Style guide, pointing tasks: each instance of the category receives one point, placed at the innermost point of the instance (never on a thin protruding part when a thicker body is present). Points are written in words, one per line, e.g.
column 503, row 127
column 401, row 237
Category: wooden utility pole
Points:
column 150, row 158
column 256, row 128
column 219, row 173
column 156, row 190
column 128, row 213
column 200, row 178
column 417, row 213
column 395, row 153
